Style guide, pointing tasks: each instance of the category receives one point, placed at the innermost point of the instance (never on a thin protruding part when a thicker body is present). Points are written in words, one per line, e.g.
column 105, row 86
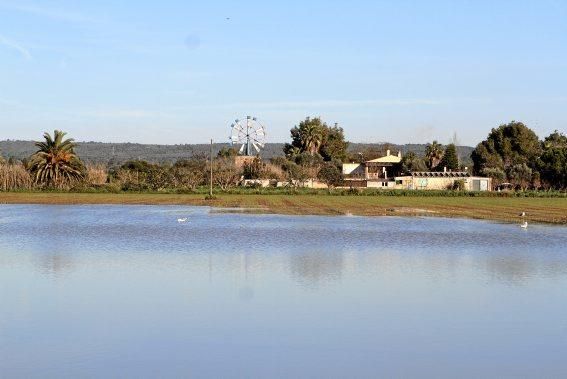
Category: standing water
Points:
column 128, row 291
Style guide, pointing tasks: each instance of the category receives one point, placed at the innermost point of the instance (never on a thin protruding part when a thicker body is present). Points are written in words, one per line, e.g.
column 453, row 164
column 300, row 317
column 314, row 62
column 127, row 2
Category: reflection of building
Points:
column 373, row 173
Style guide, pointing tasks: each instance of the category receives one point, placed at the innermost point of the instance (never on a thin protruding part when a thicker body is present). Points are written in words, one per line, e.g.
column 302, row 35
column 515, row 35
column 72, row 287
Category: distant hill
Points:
column 118, row 153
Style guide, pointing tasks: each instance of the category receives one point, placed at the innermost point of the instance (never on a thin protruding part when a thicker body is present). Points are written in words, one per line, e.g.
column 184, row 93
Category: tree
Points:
column 55, row 164
column 553, row 167
column 506, row 146
column 552, row 164
column 313, row 133
column 498, row 175
column 254, row 169
column 308, row 160
column 307, row 137
column 227, row 152
column 412, row 163
column 450, row 159
column 189, row 173
column 310, row 164
column 434, row 154
column 555, row 140
column 520, row 175
column 296, row 175
column 331, row 175
column 334, row 146
column 314, row 137
column 225, row 173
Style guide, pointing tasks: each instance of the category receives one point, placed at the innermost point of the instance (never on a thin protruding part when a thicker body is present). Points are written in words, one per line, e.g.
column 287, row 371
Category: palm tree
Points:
column 434, row 153
column 312, row 137
column 293, row 151
column 55, row 163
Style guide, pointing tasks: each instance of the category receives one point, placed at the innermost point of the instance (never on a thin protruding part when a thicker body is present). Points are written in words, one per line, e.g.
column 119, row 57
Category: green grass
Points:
column 106, row 189
column 501, row 208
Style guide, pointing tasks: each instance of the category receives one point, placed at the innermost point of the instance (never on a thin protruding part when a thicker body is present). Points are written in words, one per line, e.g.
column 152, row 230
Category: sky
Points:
column 178, row 72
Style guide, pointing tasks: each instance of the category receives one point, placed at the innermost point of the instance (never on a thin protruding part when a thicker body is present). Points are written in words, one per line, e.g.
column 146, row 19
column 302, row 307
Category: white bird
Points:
column 524, row 225
column 182, row 219
column 523, row 214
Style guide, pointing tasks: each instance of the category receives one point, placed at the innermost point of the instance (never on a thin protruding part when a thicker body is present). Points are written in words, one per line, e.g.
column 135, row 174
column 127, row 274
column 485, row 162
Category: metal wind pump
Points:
column 249, row 134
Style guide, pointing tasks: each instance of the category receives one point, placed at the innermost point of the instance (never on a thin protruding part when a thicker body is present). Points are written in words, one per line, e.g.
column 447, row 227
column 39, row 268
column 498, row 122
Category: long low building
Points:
column 442, row 180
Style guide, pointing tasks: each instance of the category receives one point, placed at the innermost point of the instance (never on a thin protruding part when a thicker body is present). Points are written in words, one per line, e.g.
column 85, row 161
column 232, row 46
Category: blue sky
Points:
column 180, row 71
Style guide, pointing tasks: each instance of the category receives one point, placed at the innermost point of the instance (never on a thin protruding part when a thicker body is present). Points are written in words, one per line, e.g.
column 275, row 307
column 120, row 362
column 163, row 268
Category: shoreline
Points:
column 538, row 210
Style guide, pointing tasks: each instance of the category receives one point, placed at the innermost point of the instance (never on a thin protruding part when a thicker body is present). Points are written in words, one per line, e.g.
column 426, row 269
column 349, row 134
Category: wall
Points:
column 440, row 183
column 353, row 169
column 380, row 184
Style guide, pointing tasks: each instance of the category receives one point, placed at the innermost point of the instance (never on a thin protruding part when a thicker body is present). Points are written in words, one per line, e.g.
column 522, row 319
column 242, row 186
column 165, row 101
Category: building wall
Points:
column 353, row 169
column 403, row 182
column 310, row 183
column 434, row 183
column 380, row 184
column 480, row 184
column 261, row 182
column 442, row 183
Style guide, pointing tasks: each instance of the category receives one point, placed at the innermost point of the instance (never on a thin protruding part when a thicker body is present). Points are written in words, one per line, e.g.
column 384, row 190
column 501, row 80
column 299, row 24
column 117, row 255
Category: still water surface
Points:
column 127, row 291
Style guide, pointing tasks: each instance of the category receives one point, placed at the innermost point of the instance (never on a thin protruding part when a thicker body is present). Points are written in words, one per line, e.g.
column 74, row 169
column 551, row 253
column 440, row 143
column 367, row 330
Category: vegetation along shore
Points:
column 526, row 175
column 551, row 210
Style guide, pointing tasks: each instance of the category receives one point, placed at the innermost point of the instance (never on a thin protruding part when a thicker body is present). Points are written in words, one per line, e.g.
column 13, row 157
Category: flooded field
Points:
column 129, row 291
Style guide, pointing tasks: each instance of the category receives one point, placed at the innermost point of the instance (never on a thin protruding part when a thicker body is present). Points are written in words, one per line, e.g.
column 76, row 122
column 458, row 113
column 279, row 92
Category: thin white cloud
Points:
column 338, row 103
column 56, row 14
column 119, row 113
column 10, row 43
column 308, row 105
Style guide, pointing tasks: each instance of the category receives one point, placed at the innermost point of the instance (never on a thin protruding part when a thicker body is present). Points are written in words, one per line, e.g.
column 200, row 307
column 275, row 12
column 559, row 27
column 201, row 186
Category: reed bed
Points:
column 14, row 177
column 96, row 175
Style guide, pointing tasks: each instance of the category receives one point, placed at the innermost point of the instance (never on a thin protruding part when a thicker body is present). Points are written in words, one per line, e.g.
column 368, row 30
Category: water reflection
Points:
column 54, row 264
column 311, row 249
column 313, row 268
column 520, row 269
column 98, row 291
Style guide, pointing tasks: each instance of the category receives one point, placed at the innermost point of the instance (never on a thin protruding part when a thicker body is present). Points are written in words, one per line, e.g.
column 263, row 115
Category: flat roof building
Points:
column 425, row 180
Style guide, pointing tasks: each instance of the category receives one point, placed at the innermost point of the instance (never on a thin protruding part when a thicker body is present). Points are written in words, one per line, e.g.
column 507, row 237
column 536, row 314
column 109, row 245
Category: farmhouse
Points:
column 377, row 172
column 385, row 172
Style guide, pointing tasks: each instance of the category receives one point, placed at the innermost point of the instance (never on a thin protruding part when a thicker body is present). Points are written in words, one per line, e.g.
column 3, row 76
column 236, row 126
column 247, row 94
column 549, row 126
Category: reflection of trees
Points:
column 315, row 267
column 520, row 269
column 511, row 269
column 55, row 254
column 55, row 264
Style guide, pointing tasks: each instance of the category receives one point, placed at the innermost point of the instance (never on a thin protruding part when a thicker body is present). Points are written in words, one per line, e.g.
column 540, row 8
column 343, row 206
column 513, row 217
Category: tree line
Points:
column 55, row 165
column 512, row 154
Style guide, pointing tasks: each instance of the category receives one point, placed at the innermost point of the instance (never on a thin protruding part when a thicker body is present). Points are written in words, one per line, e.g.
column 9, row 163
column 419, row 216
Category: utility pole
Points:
column 211, row 182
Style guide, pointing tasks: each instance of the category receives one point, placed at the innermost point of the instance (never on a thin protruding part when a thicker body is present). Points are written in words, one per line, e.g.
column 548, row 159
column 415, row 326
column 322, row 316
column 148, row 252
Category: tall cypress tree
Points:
column 450, row 159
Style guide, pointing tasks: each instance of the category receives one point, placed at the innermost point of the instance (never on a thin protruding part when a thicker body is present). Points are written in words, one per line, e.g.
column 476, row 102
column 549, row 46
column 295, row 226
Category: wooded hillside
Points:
column 118, row 153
